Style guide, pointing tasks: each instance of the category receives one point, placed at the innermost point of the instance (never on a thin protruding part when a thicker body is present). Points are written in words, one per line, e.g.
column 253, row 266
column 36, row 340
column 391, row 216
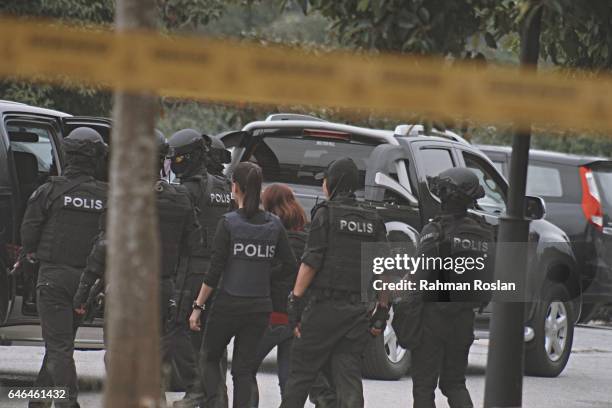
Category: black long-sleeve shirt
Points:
column 218, row 263
column 34, row 218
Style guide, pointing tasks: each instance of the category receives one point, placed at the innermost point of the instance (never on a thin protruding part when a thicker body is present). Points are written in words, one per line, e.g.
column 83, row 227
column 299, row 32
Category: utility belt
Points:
column 336, row 294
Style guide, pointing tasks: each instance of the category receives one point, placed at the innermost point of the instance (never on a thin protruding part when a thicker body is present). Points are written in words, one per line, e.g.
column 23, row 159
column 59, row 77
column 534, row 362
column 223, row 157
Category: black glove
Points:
column 295, row 307
column 82, row 293
column 379, row 317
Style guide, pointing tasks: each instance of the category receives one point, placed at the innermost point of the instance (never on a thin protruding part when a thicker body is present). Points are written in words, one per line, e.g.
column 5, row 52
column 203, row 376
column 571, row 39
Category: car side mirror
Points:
column 535, row 208
column 385, row 181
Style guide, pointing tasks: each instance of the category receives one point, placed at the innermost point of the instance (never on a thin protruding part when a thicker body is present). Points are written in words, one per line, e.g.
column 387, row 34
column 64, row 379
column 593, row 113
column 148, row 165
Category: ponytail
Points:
column 248, row 176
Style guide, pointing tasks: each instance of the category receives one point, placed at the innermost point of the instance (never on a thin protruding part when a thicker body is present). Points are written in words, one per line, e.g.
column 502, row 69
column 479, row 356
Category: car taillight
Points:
column 327, row 134
column 591, row 200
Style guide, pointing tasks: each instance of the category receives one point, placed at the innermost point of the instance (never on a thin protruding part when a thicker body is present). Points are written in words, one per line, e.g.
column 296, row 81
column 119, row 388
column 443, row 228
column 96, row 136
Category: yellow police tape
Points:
column 234, row 72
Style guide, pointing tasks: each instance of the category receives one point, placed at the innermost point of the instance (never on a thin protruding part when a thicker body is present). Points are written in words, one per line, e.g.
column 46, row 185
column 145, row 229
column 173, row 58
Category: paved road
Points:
column 585, row 383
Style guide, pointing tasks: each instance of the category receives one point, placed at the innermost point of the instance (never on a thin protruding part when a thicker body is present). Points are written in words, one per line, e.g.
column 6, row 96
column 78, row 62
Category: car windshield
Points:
column 604, row 181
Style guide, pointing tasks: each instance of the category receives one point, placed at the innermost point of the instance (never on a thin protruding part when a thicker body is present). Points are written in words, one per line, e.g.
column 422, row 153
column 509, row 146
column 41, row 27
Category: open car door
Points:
column 234, row 141
column 394, row 201
column 382, row 164
column 101, row 125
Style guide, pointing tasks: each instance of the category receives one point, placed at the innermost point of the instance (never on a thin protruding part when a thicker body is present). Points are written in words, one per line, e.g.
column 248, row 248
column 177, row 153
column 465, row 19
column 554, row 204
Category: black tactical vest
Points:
column 252, row 249
column 349, row 227
column 463, row 238
column 173, row 209
column 212, row 197
column 73, row 220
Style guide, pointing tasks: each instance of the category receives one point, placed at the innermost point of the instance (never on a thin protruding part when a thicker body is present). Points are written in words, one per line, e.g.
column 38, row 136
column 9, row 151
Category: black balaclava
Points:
column 458, row 189
column 84, row 153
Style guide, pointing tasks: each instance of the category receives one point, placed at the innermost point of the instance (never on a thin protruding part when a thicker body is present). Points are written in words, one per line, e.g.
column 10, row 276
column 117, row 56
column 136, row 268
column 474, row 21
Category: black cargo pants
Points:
column 246, row 330
column 59, row 325
column 182, row 350
column 184, row 344
column 334, row 335
column 442, row 357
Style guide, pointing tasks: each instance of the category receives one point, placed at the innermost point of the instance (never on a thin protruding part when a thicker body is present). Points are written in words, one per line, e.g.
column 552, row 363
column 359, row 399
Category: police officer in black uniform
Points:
column 59, row 226
column 447, row 317
column 180, row 234
column 333, row 330
column 246, row 243
column 211, row 197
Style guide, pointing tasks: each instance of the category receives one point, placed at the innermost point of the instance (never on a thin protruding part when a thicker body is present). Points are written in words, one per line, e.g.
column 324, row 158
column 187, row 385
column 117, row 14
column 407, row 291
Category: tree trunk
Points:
column 132, row 307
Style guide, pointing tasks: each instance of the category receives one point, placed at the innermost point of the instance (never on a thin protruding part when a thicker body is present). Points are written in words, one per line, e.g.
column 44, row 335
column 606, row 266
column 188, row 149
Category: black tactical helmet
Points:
column 217, row 154
column 459, row 185
column 187, row 148
column 85, row 141
column 216, row 143
column 185, row 141
column 342, row 176
column 218, row 151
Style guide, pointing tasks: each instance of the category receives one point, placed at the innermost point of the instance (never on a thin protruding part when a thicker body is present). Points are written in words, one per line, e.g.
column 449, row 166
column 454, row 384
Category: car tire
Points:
column 384, row 359
column 553, row 323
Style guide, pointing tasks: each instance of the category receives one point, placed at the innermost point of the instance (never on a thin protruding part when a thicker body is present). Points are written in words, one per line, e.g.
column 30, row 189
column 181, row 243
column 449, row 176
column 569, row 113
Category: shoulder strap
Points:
column 70, row 185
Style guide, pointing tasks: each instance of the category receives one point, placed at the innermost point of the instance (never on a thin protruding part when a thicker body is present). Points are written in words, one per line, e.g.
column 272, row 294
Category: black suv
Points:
column 394, row 167
column 578, row 195
column 29, row 140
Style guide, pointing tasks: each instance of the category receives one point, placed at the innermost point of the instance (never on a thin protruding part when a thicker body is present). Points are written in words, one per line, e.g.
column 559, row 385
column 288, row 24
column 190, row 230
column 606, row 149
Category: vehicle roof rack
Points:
column 292, row 116
column 419, row 130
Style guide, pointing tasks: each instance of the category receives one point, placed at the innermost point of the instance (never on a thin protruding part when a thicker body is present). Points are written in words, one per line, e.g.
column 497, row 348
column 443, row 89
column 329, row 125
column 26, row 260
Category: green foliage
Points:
column 416, row 26
column 177, row 15
column 74, row 100
column 578, row 34
column 189, row 15
column 575, row 34
column 560, row 141
column 75, row 11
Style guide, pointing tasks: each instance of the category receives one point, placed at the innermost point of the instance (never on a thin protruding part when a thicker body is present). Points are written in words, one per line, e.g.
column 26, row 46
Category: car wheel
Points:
column 384, row 358
column 553, row 323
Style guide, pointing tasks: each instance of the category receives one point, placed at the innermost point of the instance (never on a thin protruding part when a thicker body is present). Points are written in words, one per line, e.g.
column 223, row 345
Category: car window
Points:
column 544, row 181
column 32, row 140
column 297, row 159
column 493, row 201
column 435, row 161
column 499, row 166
